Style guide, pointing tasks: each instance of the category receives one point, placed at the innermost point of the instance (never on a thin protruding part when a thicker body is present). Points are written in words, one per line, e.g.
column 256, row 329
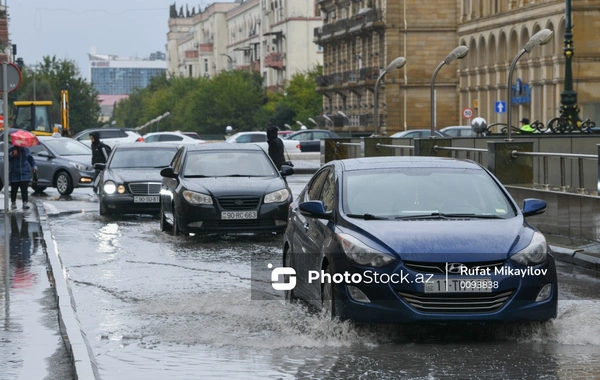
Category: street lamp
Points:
column 313, row 121
column 230, row 65
column 395, row 64
column 540, row 38
column 302, row 126
column 344, row 115
column 459, row 52
column 327, row 118
column 158, row 119
column 287, row 126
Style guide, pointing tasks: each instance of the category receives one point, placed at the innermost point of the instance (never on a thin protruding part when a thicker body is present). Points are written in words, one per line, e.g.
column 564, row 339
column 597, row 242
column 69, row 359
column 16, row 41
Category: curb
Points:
column 84, row 363
column 576, row 257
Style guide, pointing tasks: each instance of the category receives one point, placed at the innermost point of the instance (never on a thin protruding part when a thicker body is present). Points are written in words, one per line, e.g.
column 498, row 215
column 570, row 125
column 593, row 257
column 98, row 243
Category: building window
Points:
column 206, row 65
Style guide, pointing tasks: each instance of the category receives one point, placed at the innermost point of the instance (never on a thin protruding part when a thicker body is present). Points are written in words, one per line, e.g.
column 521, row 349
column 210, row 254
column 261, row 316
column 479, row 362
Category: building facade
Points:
column 361, row 37
column 113, row 75
column 272, row 37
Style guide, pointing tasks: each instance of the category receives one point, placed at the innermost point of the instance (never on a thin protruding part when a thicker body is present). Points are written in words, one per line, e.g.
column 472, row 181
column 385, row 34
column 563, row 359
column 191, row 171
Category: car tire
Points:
column 164, row 225
column 327, row 297
column 288, row 262
column 64, row 183
column 39, row 189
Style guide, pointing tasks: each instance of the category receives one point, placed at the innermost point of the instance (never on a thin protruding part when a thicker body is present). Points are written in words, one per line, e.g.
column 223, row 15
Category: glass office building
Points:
column 112, row 75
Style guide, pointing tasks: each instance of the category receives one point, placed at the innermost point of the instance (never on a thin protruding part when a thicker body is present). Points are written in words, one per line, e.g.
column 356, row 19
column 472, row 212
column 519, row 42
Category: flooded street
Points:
column 156, row 306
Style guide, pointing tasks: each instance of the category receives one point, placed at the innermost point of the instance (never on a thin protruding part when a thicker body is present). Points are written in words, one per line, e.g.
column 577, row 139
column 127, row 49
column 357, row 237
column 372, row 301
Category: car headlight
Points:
column 361, row 254
column 109, row 187
column 535, row 253
column 197, row 198
column 277, row 196
column 80, row 166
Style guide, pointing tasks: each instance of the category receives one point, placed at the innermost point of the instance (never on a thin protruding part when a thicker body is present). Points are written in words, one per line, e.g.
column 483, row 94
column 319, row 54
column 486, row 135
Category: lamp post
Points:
column 568, row 98
column 327, row 118
column 158, row 119
column 344, row 115
column 313, row 121
column 230, row 65
column 459, row 52
column 395, row 64
column 540, row 38
column 302, row 126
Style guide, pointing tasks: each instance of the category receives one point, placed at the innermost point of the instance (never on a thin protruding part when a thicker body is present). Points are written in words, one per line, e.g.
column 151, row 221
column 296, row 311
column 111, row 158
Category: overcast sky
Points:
column 68, row 28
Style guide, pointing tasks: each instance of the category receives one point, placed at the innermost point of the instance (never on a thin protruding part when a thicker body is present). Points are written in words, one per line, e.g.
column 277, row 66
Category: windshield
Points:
column 225, row 164
column 408, row 192
column 139, row 158
column 67, row 147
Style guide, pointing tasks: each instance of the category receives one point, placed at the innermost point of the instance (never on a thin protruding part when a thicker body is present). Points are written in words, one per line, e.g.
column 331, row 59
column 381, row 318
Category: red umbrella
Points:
column 24, row 138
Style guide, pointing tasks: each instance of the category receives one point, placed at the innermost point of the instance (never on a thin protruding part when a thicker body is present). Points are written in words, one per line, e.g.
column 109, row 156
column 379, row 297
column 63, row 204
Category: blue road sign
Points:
column 500, row 107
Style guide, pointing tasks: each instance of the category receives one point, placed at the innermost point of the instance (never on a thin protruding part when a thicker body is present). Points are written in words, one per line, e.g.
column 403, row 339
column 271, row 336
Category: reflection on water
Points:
column 20, row 252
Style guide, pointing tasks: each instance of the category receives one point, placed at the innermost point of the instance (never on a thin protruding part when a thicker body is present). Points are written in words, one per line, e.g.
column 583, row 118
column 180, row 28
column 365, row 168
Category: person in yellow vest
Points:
column 526, row 127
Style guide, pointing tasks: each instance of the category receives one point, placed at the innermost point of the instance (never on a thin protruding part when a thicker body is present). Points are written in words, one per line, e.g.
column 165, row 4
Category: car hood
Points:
column 435, row 240
column 226, row 186
column 85, row 159
column 133, row 175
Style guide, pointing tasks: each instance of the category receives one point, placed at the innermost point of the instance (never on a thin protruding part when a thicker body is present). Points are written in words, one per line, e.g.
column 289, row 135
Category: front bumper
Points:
column 513, row 300
column 125, row 204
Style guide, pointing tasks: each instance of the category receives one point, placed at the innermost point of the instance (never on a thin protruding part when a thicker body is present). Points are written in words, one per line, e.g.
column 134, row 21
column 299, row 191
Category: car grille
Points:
column 456, row 303
column 435, row 268
column 239, row 203
column 144, row 188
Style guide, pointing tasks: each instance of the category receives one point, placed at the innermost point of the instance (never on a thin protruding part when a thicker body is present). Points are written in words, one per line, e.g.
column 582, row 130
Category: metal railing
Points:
column 563, row 171
column 456, row 150
column 401, row 147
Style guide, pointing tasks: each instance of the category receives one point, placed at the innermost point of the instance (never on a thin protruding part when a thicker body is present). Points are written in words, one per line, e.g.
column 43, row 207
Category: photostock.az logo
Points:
column 283, row 271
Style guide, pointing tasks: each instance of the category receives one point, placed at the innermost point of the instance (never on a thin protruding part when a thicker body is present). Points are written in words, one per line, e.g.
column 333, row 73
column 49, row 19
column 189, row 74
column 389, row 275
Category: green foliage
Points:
column 52, row 76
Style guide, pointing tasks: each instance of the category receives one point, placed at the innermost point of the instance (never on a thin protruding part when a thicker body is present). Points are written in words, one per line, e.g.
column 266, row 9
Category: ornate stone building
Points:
column 361, row 37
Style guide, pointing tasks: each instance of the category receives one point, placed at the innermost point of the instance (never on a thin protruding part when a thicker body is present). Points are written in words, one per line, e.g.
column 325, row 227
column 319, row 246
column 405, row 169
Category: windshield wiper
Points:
column 197, row 176
column 442, row 215
column 367, row 216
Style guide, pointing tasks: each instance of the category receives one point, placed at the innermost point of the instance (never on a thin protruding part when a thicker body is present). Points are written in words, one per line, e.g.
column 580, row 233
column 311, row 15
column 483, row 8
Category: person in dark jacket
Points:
column 100, row 153
column 20, row 164
column 276, row 147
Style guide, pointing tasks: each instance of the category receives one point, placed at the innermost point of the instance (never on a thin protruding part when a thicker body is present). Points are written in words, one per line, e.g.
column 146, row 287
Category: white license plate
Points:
column 459, row 285
column 148, row 199
column 239, row 215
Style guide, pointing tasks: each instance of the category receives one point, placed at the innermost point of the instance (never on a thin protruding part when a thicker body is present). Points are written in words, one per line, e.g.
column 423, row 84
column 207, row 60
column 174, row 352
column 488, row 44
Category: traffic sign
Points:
column 467, row 113
column 13, row 75
column 500, row 107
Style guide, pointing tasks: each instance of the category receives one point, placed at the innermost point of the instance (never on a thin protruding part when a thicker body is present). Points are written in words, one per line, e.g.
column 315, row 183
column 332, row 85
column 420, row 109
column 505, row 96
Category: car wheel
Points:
column 289, row 294
column 64, row 183
column 38, row 189
column 327, row 296
column 164, row 225
column 175, row 227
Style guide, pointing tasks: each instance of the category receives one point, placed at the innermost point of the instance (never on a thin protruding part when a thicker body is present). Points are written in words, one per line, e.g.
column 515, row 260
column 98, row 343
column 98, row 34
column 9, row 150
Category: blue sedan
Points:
column 417, row 239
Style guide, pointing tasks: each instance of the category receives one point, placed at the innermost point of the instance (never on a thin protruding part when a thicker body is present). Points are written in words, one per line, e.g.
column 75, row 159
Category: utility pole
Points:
column 568, row 98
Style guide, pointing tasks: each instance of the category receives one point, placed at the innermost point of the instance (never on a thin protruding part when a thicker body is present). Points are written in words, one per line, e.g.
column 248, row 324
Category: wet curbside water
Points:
column 84, row 362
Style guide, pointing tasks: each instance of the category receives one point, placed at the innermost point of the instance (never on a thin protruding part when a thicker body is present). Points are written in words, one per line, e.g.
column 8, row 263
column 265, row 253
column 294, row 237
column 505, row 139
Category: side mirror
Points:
column 168, row 172
column 286, row 170
column 99, row 166
column 45, row 154
column 533, row 206
column 315, row 209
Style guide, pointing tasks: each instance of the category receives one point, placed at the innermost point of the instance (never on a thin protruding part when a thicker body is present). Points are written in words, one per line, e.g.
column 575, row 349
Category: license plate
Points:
column 459, row 285
column 148, row 199
column 239, row 215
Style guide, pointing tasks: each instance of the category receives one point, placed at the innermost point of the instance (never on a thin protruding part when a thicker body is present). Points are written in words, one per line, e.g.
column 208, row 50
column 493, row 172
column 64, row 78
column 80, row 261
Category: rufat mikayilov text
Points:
column 503, row 271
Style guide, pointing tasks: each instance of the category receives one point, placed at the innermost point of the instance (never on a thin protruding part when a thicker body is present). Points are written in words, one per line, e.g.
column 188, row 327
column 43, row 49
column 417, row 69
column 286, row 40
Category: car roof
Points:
column 369, row 163
column 457, row 127
column 311, row 130
column 142, row 145
column 105, row 129
column 224, row 146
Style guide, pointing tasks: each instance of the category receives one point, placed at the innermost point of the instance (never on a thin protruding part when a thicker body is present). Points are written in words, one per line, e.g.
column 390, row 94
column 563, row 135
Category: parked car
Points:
column 62, row 163
column 193, row 135
column 225, row 188
column 260, row 139
column 459, row 131
column 110, row 136
column 413, row 133
column 171, row 137
column 443, row 236
column 285, row 134
column 129, row 182
column 309, row 140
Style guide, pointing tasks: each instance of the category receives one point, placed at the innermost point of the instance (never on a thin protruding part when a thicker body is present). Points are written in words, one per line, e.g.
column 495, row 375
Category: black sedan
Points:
column 417, row 239
column 224, row 188
column 130, row 181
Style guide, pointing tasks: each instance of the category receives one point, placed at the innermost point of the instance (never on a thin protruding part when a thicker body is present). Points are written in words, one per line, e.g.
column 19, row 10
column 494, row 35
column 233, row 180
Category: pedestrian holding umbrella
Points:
column 21, row 163
column 23, row 138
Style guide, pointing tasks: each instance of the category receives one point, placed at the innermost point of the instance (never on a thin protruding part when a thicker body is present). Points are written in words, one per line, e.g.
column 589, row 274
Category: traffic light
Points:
column 14, row 49
column 20, row 63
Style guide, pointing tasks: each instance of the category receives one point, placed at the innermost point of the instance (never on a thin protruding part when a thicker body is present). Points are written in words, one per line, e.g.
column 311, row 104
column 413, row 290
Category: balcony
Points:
column 191, row 54
column 322, row 80
column 350, row 76
column 274, row 60
column 206, row 48
column 368, row 73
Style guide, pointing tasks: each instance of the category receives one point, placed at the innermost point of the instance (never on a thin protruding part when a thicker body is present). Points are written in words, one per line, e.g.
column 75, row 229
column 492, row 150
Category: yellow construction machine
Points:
column 35, row 116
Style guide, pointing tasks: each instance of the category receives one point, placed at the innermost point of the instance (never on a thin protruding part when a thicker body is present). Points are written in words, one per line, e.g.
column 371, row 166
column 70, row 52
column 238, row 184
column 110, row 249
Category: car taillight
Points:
column 298, row 146
column 140, row 139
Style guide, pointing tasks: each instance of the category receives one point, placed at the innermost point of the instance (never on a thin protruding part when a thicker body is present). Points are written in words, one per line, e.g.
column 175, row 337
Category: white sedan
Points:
column 260, row 139
column 171, row 137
